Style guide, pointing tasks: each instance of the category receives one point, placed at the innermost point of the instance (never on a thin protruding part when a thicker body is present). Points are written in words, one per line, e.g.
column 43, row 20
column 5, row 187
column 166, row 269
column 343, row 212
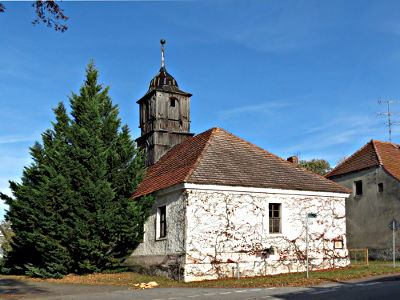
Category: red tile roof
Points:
column 374, row 153
column 220, row 158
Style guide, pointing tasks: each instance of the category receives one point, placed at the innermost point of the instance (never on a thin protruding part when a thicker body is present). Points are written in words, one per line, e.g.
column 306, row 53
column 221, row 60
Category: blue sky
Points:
column 294, row 77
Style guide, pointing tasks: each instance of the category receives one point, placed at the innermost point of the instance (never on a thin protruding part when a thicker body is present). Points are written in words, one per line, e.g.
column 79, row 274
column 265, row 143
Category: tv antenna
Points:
column 389, row 115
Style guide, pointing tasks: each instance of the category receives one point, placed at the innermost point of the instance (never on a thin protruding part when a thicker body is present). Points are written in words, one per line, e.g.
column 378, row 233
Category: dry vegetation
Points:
column 129, row 279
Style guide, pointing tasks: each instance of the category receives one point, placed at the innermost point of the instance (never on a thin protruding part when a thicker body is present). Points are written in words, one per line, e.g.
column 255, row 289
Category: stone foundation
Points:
column 174, row 272
column 382, row 254
column 199, row 272
column 210, row 271
column 168, row 266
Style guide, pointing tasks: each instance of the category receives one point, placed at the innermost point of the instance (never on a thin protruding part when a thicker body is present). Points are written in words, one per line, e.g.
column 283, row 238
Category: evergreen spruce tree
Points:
column 73, row 211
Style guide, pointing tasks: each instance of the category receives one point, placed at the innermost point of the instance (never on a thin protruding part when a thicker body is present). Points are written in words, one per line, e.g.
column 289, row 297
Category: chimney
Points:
column 293, row 160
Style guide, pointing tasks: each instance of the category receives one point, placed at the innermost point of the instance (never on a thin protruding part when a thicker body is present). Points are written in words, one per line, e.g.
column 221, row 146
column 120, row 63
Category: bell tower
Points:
column 164, row 115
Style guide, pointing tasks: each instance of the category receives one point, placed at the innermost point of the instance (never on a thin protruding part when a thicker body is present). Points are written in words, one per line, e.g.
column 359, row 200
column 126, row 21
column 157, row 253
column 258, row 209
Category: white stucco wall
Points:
column 226, row 229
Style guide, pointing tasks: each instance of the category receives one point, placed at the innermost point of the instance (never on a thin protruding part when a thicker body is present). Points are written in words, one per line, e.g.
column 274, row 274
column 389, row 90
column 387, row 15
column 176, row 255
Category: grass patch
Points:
column 293, row 279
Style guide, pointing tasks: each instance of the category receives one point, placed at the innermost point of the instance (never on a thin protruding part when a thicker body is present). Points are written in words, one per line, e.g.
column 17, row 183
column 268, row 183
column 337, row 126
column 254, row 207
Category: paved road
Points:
column 383, row 287
column 20, row 289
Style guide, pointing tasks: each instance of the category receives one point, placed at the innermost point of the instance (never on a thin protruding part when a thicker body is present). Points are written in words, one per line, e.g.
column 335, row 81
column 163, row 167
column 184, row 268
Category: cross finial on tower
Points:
column 162, row 53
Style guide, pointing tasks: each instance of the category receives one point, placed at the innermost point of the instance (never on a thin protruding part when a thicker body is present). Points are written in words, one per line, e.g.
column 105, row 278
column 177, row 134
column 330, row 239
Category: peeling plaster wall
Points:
column 162, row 256
column 226, row 230
column 213, row 233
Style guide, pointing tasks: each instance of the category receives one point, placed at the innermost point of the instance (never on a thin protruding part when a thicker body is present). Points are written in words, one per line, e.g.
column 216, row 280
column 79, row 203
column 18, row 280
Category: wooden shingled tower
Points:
column 164, row 115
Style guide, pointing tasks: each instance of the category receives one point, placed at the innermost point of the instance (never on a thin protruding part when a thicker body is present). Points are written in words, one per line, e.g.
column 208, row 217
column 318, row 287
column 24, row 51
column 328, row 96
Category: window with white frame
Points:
column 161, row 226
column 275, row 216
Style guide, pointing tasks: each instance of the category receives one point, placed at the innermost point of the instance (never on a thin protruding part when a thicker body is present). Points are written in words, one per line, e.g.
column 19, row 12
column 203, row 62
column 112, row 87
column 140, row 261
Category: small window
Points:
column 380, row 187
column 162, row 222
column 274, row 218
column 358, row 187
column 172, row 102
column 338, row 244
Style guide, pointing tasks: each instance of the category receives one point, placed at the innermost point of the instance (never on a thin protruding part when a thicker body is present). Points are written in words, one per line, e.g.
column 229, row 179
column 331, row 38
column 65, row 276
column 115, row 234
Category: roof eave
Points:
column 350, row 172
column 152, row 91
column 188, row 185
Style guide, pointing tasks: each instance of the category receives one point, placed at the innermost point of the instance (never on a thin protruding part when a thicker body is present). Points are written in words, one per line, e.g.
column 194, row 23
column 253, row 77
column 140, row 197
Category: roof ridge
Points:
column 283, row 160
column 386, row 166
column 384, row 142
column 344, row 161
column 376, row 152
column 196, row 163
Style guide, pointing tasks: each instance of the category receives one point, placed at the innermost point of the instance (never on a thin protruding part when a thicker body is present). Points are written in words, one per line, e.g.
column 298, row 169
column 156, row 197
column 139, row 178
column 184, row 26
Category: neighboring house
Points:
column 373, row 173
column 225, row 207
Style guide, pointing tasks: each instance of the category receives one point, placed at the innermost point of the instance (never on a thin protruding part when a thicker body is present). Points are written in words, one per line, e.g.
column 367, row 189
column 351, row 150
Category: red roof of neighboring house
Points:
column 220, row 158
column 374, row 153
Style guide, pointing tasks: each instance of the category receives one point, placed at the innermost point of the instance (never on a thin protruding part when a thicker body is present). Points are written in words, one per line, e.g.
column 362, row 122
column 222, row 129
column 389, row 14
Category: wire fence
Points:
column 358, row 257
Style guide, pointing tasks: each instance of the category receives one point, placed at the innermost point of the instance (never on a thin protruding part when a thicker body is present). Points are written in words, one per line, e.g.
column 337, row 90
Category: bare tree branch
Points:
column 49, row 13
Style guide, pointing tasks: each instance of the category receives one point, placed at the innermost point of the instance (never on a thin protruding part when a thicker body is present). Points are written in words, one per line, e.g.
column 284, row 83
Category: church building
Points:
column 225, row 207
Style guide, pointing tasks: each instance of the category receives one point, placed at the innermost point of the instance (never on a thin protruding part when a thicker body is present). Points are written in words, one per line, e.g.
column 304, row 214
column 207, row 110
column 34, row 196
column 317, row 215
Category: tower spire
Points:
column 164, row 115
column 162, row 53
